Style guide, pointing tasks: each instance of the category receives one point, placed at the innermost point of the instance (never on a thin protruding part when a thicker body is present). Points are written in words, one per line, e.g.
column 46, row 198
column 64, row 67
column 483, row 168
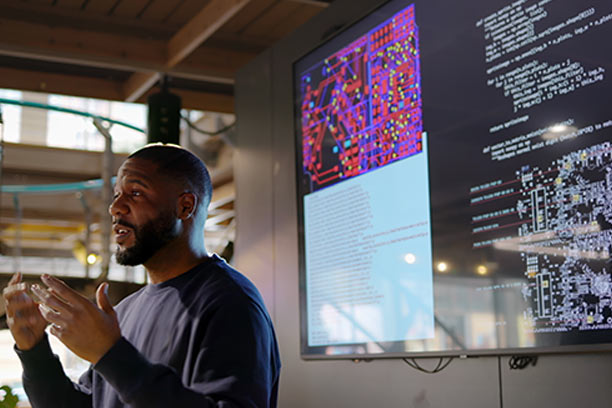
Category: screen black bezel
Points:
column 318, row 353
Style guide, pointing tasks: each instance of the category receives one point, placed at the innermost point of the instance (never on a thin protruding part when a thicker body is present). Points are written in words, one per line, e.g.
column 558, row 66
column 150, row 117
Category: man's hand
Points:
column 87, row 330
column 22, row 316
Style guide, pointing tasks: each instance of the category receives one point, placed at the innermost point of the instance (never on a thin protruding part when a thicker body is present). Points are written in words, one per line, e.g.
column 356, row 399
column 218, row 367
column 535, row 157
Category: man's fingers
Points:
column 50, row 315
column 60, row 288
column 16, row 299
column 14, row 290
column 15, row 287
column 16, row 278
column 56, row 331
column 49, row 299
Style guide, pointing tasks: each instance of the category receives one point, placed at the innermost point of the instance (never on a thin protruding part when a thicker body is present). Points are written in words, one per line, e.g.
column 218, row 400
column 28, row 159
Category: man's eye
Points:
column 136, row 193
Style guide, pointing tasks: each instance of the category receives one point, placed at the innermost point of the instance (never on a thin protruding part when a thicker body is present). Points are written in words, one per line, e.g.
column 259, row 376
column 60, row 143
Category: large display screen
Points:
column 454, row 180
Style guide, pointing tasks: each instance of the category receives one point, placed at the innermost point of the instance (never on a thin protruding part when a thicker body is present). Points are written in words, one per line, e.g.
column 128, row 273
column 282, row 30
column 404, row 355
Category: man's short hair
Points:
column 181, row 165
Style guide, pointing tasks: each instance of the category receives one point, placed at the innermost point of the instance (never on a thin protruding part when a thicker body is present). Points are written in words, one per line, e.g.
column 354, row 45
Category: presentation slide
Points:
column 367, row 243
column 369, row 257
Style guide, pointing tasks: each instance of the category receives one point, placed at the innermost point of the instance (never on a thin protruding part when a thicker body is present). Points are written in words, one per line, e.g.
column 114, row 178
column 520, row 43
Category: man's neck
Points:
column 171, row 261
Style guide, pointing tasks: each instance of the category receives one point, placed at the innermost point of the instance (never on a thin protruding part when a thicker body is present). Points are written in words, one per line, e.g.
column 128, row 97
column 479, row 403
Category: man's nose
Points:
column 117, row 207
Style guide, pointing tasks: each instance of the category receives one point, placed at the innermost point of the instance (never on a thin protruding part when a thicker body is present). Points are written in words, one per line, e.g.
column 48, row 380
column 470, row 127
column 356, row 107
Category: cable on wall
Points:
column 205, row 132
column 521, row 362
column 442, row 364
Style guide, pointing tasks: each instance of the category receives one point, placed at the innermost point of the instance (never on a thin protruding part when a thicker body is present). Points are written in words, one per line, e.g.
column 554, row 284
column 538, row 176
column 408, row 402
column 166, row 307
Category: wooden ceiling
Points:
column 117, row 49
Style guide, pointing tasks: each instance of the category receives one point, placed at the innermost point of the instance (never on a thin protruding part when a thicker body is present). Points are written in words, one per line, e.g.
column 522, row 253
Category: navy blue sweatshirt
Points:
column 202, row 339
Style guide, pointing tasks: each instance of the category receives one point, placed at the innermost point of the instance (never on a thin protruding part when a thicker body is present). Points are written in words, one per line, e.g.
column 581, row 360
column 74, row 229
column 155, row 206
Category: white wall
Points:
column 266, row 251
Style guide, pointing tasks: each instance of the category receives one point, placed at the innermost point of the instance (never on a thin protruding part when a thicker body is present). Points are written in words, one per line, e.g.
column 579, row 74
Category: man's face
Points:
column 144, row 214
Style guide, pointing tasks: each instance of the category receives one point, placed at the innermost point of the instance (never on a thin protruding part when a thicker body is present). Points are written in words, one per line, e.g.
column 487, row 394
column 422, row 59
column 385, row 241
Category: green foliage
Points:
column 9, row 400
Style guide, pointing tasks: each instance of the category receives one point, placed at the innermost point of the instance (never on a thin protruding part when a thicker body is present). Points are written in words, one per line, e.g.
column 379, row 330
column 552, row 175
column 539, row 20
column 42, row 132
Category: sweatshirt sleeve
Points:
column 46, row 383
column 231, row 362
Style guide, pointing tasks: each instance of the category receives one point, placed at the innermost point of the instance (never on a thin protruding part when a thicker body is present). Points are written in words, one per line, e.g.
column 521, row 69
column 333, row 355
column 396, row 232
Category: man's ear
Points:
column 187, row 205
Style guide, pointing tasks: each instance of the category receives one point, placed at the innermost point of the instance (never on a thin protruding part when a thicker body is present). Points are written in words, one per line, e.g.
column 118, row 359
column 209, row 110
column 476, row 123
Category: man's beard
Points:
column 148, row 239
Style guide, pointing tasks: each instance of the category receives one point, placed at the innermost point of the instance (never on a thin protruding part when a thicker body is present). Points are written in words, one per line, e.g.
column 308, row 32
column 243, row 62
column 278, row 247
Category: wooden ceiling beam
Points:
column 221, row 62
column 71, row 45
column 72, row 85
column 88, row 87
column 201, row 27
column 63, row 165
column 88, row 19
column 106, row 50
column 138, row 84
column 317, row 3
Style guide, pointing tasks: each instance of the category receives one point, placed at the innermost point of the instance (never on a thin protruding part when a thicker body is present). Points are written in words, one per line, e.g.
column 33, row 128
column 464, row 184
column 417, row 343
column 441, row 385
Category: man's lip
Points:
column 122, row 232
column 121, row 229
column 120, row 238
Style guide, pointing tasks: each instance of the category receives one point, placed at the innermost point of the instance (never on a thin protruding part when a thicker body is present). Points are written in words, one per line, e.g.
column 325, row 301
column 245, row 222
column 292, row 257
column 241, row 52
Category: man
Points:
column 197, row 336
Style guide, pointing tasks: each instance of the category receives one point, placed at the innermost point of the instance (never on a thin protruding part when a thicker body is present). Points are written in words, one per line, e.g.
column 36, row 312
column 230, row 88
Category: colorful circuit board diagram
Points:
column 361, row 107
